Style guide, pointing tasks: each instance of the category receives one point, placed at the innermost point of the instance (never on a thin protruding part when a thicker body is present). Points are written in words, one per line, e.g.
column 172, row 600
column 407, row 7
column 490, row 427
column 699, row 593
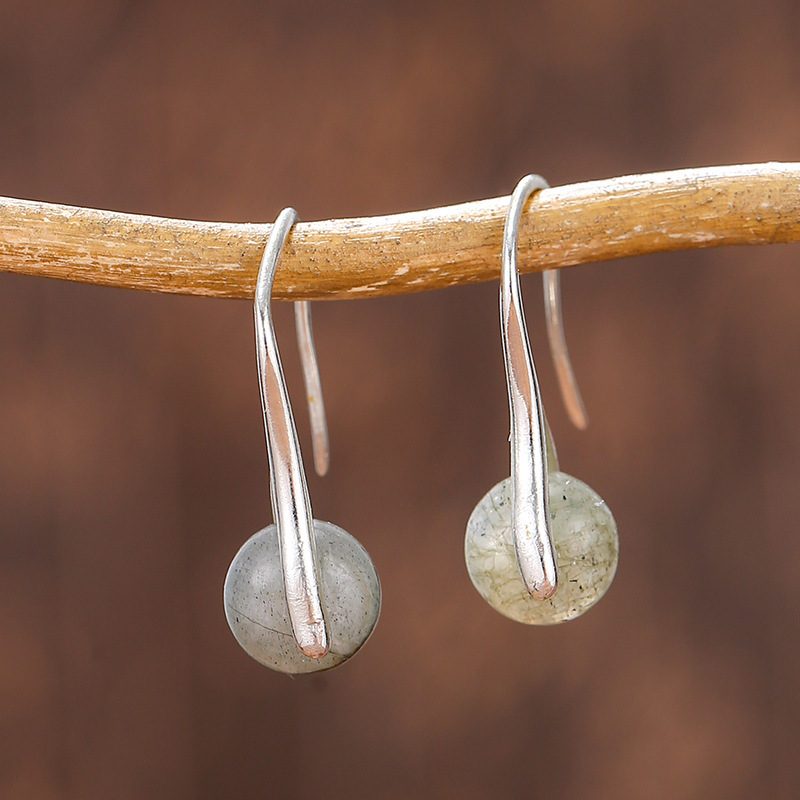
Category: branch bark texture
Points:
column 409, row 252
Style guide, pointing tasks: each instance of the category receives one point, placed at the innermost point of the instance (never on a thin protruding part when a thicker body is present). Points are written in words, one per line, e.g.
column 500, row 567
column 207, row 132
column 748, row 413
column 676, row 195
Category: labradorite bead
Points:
column 255, row 600
column 585, row 540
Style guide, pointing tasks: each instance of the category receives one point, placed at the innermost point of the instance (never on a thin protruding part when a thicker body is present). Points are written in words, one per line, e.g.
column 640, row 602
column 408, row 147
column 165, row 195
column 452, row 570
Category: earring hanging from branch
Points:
column 301, row 595
column 541, row 546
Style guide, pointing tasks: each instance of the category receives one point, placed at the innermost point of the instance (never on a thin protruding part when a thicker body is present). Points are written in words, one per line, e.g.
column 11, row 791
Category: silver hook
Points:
column 289, row 492
column 313, row 384
column 567, row 383
column 530, row 518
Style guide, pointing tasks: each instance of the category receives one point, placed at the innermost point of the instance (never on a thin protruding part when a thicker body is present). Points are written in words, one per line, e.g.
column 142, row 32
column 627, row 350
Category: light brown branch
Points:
column 686, row 209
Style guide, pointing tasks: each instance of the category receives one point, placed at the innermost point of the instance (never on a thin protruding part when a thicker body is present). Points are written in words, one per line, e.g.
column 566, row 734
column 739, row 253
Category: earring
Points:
column 541, row 546
column 301, row 595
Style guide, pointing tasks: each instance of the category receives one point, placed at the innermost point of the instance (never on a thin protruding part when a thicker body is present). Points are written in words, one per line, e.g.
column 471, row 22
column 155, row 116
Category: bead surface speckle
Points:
column 585, row 539
column 255, row 600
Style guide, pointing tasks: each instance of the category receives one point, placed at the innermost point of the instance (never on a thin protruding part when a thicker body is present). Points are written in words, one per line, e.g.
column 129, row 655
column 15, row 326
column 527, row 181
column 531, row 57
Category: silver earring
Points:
column 541, row 546
column 301, row 595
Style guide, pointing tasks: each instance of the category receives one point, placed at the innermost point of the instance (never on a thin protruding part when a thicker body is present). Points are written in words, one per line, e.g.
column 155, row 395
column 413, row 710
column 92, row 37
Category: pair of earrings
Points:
column 541, row 547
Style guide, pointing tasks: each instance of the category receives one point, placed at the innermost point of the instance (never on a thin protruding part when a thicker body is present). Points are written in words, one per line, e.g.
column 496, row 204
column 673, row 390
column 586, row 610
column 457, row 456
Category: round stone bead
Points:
column 255, row 600
column 585, row 539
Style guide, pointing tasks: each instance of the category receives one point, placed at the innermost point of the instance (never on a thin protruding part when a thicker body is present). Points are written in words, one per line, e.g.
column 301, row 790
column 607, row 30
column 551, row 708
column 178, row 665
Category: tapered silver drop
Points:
column 289, row 492
column 530, row 523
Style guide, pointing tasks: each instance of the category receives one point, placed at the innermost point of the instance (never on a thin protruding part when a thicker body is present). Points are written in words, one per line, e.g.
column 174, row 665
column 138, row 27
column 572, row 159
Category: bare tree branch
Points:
column 417, row 251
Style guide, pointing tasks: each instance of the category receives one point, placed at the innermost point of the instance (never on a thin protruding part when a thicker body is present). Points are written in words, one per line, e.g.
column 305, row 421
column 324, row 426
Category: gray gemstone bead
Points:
column 585, row 539
column 255, row 601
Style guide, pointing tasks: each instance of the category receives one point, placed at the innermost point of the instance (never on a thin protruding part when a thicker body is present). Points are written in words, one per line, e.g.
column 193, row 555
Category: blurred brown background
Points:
column 132, row 458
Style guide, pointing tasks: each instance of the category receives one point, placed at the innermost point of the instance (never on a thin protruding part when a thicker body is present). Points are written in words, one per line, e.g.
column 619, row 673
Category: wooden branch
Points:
column 562, row 226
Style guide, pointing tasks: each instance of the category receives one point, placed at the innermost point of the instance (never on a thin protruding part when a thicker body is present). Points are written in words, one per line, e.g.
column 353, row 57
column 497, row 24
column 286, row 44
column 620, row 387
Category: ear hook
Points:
column 567, row 383
column 313, row 384
column 289, row 492
column 530, row 524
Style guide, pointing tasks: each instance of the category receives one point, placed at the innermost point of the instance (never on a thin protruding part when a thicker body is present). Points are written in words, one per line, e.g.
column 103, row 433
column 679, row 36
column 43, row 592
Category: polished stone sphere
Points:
column 585, row 539
column 255, row 600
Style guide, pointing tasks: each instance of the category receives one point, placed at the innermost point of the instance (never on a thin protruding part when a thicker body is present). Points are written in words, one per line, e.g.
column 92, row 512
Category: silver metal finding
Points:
column 530, row 519
column 313, row 384
column 570, row 393
column 288, row 489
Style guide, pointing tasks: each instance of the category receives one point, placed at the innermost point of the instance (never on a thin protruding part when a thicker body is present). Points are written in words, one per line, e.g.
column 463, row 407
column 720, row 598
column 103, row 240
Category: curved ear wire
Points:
column 530, row 518
column 567, row 383
column 313, row 384
column 289, row 492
